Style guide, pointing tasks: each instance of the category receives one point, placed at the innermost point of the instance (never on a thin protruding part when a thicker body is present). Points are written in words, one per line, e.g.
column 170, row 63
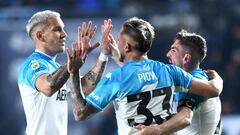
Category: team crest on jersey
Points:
column 35, row 66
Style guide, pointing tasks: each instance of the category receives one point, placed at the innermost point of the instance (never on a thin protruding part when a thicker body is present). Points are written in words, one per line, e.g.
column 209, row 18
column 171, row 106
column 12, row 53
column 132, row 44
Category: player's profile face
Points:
column 121, row 43
column 55, row 35
column 176, row 54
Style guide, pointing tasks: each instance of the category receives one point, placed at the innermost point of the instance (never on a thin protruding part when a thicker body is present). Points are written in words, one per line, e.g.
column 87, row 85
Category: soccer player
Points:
column 42, row 80
column 200, row 114
column 187, row 52
column 142, row 89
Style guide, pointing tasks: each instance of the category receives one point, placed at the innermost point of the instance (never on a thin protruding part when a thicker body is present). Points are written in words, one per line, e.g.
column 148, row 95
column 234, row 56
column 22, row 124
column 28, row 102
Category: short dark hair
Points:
column 142, row 32
column 195, row 43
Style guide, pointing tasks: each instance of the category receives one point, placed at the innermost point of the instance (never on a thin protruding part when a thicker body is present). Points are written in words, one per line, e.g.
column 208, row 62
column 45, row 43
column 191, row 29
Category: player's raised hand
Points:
column 114, row 52
column 76, row 59
column 106, row 29
column 109, row 45
column 85, row 35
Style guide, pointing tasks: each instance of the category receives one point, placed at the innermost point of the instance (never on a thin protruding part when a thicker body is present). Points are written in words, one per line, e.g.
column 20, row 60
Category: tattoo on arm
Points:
column 90, row 80
column 81, row 109
column 77, row 97
column 91, row 76
column 58, row 78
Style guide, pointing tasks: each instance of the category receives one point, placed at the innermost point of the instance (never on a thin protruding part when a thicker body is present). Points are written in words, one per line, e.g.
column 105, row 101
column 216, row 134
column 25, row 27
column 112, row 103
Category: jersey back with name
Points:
column 141, row 92
column 44, row 115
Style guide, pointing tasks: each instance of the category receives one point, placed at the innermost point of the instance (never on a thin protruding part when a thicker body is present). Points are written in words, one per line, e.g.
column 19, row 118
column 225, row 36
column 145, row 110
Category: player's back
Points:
column 144, row 93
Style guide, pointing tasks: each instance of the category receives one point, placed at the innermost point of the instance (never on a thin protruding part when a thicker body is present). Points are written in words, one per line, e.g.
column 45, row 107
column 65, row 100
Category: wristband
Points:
column 103, row 57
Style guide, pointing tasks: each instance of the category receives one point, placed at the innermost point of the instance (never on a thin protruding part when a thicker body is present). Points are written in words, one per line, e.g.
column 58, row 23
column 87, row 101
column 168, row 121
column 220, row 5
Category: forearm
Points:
column 81, row 109
column 57, row 79
column 179, row 121
column 77, row 98
column 207, row 89
column 90, row 80
column 217, row 83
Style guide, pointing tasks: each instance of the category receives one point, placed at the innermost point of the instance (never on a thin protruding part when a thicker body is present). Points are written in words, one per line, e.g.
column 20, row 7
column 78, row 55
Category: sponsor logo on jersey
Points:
column 109, row 75
column 94, row 96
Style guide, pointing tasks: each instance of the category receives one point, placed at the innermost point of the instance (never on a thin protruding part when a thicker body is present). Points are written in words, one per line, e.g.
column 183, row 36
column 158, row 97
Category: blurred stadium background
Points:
column 216, row 20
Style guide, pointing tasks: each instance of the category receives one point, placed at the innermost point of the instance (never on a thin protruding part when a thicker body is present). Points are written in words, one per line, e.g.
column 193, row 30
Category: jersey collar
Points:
column 53, row 58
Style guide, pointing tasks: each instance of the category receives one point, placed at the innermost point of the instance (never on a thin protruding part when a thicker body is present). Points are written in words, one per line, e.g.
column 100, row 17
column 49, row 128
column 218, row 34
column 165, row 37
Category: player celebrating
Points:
column 41, row 79
column 141, row 90
column 187, row 52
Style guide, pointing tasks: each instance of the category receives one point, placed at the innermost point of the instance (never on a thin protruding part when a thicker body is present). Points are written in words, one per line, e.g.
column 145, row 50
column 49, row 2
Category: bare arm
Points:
column 179, row 121
column 90, row 80
column 48, row 84
column 81, row 109
column 211, row 88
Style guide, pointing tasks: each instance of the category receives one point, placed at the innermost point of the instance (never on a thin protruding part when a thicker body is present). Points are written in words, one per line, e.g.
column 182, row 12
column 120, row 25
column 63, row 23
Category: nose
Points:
column 168, row 54
column 64, row 34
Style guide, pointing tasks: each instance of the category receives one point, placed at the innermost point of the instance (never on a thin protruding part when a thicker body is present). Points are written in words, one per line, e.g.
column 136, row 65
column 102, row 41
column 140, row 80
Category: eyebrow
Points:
column 173, row 47
column 57, row 27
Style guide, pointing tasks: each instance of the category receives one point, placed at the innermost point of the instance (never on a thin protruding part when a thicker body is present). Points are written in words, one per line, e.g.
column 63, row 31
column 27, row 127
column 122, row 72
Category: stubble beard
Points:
column 122, row 57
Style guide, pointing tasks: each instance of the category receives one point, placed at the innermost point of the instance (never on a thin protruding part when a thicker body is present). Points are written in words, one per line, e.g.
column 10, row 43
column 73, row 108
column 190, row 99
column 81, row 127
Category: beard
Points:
column 170, row 61
column 121, row 58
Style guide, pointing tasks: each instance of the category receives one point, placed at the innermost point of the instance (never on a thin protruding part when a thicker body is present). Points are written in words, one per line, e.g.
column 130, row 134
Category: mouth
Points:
column 62, row 42
column 169, row 60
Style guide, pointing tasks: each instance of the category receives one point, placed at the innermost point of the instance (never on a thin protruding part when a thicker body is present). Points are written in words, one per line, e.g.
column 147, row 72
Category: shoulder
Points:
column 114, row 75
column 159, row 64
column 156, row 64
column 199, row 73
column 32, row 62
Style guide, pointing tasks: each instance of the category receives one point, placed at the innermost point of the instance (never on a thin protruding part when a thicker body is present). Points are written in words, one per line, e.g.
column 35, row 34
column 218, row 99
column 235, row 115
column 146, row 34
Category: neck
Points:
column 189, row 67
column 137, row 57
column 46, row 51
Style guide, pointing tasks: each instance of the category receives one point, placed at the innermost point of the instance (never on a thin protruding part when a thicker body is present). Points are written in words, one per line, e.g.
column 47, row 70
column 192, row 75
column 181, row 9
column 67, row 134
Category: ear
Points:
column 40, row 36
column 187, row 58
column 127, row 47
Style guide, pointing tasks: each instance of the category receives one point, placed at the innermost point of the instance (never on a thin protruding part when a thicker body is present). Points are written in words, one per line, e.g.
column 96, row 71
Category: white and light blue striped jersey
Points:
column 44, row 115
column 141, row 92
column 206, row 112
column 195, row 99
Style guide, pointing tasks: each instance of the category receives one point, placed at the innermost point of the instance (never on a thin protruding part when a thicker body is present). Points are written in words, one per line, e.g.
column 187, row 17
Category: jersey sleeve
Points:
column 34, row 70
column 181, row 79
column 190, row 100
column 104, row 93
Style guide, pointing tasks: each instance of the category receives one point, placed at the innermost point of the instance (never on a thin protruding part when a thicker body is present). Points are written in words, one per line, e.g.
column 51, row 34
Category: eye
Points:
column 57, row 29
column 173, row 50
